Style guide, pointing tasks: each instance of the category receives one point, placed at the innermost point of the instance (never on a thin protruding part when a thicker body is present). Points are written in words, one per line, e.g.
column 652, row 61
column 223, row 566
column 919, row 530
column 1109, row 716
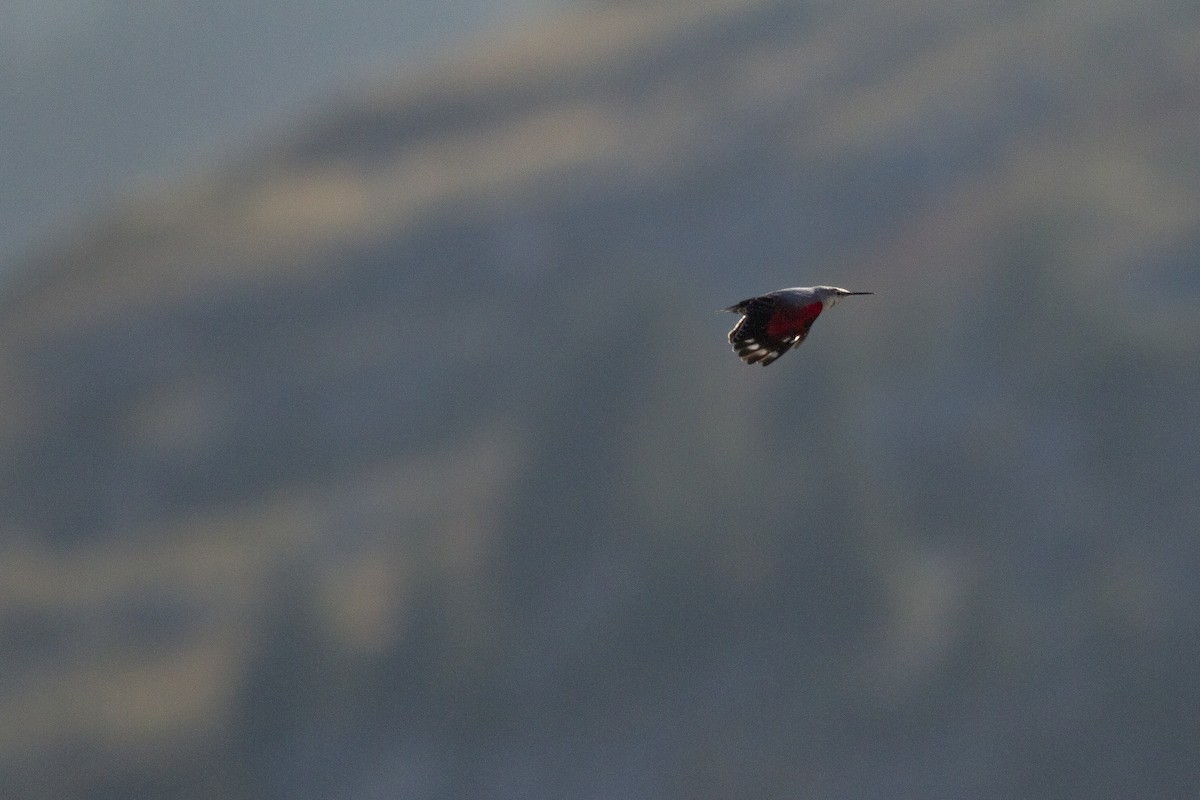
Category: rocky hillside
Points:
column 405, row 456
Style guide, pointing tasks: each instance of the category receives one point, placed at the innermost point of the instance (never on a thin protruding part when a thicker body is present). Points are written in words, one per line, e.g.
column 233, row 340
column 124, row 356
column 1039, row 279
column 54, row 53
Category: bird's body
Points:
column 774, row 323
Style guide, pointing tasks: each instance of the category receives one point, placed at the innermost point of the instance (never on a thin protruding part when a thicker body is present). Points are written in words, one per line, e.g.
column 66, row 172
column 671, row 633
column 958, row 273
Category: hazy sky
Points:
column 99, row 95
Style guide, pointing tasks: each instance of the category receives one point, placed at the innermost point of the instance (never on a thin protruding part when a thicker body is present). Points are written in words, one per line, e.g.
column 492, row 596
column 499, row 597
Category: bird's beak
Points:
column 850, row 293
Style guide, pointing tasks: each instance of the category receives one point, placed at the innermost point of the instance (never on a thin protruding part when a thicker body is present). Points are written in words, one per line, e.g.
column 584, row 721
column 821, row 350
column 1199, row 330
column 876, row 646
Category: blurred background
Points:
column 367, row 429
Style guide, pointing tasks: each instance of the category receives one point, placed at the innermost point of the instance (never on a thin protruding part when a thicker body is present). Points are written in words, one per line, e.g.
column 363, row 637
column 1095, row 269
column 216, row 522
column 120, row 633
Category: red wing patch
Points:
column 769, row 328
column 787, row 323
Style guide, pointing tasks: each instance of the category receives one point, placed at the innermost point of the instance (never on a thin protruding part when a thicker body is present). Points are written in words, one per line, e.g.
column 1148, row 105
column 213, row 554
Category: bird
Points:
column 775, row 322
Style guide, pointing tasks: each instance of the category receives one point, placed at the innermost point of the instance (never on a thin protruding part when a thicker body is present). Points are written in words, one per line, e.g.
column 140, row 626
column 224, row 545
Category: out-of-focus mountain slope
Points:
column 405, row 456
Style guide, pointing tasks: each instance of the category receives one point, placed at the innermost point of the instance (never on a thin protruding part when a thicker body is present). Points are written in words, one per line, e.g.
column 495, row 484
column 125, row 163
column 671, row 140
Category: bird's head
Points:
column 829, row 295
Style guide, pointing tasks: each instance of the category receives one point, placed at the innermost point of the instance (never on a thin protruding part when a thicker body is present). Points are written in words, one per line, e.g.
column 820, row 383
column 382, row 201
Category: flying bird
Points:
column 774, row 323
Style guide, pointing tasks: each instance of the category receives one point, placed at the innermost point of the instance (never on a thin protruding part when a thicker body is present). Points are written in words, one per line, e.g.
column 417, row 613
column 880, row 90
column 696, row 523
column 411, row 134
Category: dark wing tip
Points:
column 752, row 352
column 760, row 358
column 751, row 338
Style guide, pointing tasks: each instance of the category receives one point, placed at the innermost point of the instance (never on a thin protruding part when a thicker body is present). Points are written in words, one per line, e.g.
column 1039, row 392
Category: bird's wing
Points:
column 770, row 327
